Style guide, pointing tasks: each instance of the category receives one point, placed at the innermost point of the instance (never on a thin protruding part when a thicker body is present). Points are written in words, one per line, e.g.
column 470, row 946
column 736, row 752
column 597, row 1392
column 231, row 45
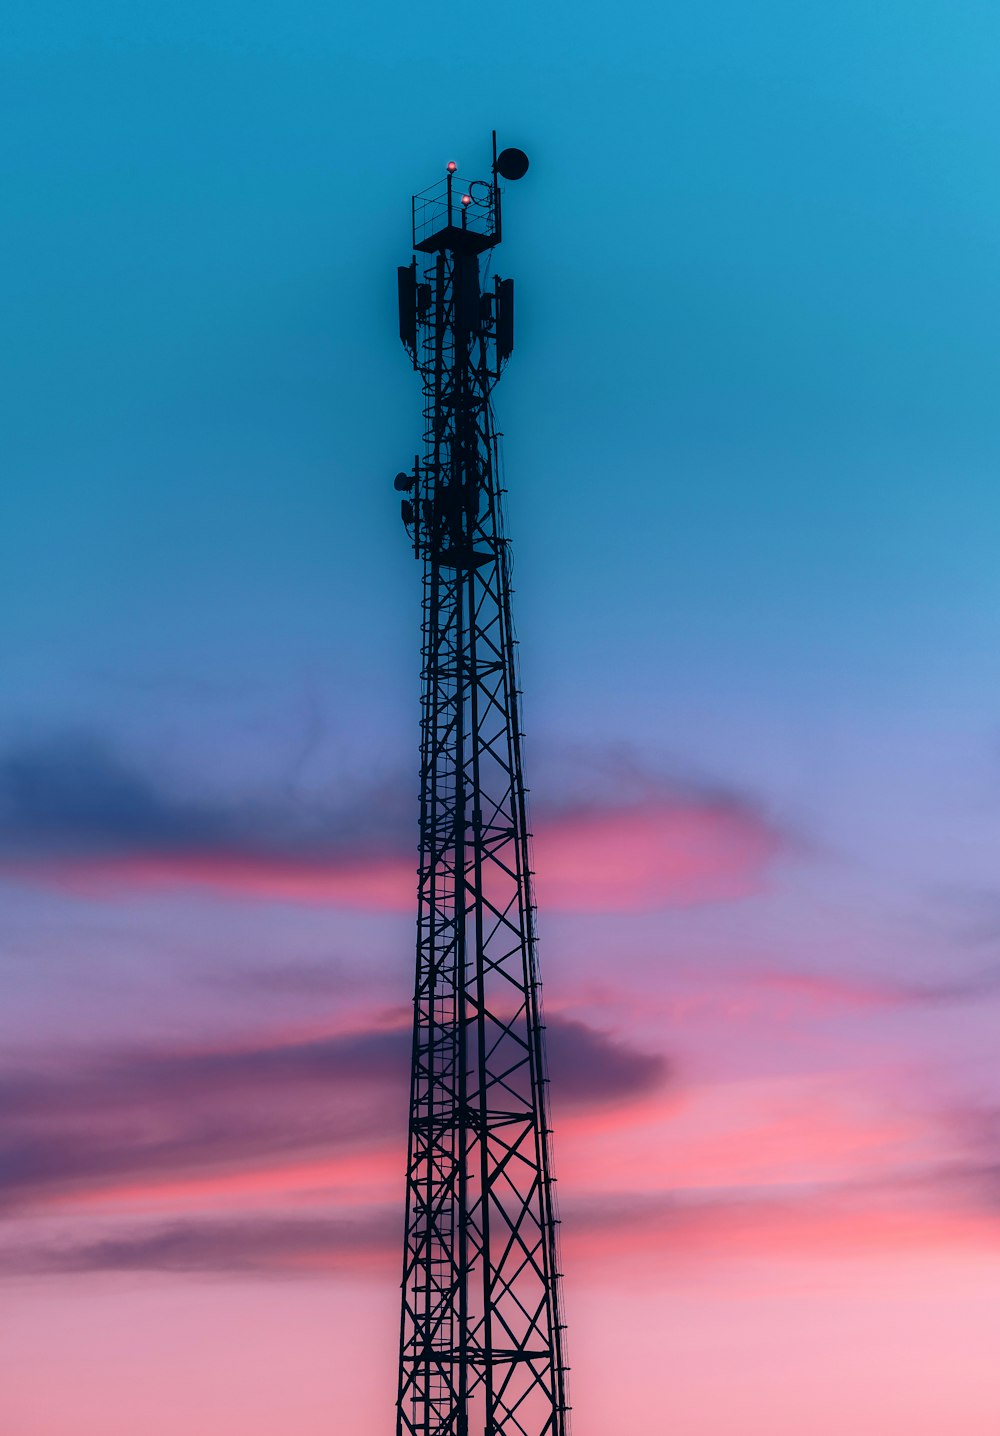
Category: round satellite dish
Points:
column 512, row 164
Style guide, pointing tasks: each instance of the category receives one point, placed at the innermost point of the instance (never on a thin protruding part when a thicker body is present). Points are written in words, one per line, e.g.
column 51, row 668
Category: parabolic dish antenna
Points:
column 512, row 164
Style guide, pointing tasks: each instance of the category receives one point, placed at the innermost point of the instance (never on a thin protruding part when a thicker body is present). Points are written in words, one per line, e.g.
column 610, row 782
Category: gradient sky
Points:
column 752, row 446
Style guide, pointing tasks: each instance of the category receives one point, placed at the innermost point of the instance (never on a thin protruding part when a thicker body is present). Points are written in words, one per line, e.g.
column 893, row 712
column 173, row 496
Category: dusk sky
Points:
column 752, row 446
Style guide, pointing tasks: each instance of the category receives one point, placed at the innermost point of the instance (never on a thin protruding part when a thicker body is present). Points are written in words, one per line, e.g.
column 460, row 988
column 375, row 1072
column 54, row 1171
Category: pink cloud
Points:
column 640, row 1236
column 825, row 991
column 619, row 1236
column 659, row 853
column 656, row 854
column 261, row 1156
column 376, row 883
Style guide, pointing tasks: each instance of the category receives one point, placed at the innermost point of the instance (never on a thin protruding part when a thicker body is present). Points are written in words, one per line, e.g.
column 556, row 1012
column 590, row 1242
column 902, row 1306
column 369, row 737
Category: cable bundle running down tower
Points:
column 481, row 1344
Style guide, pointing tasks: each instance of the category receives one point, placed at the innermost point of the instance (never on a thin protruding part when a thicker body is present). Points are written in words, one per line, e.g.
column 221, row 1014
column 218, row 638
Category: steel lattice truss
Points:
column 481, row 1350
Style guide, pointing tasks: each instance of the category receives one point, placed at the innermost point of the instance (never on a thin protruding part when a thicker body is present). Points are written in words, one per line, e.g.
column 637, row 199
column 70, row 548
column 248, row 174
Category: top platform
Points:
column 456, row 214
column 465, row 241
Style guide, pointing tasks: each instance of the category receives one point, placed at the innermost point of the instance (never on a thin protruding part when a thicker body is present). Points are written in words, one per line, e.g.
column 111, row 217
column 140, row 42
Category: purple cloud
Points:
column 139, row 1116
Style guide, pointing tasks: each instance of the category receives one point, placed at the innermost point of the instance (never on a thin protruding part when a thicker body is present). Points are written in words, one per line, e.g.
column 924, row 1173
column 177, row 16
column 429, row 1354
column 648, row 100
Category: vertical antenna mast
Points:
column 481, row 1343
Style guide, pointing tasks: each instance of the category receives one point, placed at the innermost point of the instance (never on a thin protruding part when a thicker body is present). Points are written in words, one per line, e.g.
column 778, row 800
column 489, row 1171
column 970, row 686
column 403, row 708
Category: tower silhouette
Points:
column 481, row 1337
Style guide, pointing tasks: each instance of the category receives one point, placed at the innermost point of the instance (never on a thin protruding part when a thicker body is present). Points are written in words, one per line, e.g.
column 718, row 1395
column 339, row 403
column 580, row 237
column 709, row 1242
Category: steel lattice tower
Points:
column 481, row 1344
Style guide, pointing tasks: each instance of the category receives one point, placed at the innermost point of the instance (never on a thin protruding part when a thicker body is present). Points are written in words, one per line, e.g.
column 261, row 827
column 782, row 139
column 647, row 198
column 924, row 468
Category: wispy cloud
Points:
column 644, row 1234
column 73, row 814
column 286, row 1157
column 122, row 1119
column 74, row 798
column 830, row 991
column 627, row 1235
column 258, row 1245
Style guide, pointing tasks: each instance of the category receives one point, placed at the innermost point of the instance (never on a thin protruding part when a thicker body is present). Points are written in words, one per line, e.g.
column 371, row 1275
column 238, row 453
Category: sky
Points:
column 751, row 441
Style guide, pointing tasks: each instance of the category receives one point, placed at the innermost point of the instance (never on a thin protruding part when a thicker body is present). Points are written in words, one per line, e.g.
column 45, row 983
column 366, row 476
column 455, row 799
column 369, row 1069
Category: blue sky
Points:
column 757, row 288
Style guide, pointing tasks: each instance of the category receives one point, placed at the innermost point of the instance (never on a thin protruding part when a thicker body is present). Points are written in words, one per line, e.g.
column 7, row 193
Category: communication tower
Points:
column 481, row 1341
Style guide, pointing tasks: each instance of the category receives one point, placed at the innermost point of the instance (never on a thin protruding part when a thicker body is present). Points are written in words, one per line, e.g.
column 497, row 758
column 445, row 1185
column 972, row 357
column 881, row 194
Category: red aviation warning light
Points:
column 451, row 167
